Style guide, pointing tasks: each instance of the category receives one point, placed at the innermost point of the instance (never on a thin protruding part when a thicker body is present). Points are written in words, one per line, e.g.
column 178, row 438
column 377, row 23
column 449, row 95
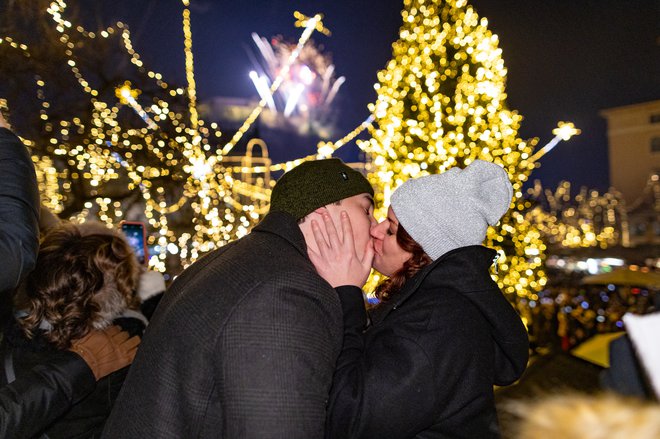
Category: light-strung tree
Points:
column 110, row 139
column 442, row 103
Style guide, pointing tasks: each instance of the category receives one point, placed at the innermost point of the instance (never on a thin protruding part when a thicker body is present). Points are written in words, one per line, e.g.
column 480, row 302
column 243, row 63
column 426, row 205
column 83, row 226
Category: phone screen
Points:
column 135, row 236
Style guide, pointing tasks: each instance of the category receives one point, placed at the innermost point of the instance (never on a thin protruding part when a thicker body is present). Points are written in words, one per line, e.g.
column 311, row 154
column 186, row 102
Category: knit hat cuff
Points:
column 315, row 184
column 442, row 212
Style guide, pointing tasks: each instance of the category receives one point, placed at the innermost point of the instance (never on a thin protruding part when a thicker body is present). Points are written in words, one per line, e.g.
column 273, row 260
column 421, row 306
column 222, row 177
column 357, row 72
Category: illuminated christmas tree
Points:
column 442, row 103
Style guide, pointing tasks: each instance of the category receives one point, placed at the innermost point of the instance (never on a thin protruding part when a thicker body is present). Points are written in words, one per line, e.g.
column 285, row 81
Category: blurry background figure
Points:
column 588, row 417
column 643, row 331
column 84, row 279
column 633, row 361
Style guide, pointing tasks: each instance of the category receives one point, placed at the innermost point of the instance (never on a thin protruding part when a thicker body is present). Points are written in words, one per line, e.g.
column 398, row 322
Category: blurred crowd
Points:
column 564, row 316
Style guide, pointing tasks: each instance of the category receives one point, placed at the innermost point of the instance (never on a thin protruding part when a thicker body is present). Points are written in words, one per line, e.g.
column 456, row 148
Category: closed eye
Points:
column 391, row 229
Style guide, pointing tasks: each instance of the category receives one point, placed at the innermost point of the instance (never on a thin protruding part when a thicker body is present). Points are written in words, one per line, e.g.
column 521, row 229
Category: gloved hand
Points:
column 106, row 351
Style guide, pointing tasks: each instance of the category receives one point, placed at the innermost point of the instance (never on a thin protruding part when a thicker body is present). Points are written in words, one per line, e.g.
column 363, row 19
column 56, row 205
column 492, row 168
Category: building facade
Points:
column 634, row 147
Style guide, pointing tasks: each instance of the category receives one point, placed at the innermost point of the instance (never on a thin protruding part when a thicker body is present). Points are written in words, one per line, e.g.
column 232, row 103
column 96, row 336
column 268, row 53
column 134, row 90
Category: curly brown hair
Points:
column 81, row 281
column 387, row 289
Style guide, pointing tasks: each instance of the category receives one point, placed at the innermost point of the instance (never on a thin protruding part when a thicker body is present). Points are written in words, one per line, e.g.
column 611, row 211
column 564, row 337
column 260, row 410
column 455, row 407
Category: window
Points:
column 655, row 144
column 639, row 229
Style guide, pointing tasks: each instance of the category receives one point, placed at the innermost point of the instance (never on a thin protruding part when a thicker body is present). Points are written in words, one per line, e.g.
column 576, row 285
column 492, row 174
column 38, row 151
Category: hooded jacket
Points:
column 19, row 217
column 426, row 366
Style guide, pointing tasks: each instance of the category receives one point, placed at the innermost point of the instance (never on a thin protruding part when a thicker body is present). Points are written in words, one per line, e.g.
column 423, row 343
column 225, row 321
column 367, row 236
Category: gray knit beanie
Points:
column 446, row 211
column 315, row 184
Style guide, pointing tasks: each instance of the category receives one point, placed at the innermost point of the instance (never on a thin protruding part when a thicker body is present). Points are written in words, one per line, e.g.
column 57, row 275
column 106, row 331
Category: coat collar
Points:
column 285, row 226
column 473, row 258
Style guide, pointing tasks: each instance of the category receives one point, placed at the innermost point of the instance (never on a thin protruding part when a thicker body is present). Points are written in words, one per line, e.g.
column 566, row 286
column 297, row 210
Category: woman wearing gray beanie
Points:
column 443, row 334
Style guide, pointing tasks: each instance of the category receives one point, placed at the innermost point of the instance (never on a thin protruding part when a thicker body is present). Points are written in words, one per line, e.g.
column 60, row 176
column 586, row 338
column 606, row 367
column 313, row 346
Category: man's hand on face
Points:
column 337, row 259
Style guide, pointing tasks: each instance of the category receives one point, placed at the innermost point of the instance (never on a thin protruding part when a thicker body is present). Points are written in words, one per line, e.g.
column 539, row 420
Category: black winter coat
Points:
column 33, row 401
column 426, row 366
column 242, row 345
column 86, row 415
column 19, row 217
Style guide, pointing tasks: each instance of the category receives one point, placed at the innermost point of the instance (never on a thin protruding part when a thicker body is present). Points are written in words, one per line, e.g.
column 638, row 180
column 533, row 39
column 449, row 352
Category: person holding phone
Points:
column 29, row 403
column 83, row 280
column 443, row 333
column 151, row 286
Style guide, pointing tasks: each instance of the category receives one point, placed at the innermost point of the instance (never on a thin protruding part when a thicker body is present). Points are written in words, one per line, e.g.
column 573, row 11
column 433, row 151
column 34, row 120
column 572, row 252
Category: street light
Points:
column 564, row 131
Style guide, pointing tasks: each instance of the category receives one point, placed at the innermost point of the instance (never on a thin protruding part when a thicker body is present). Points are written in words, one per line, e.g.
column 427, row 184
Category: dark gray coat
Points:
column 243, row 345
column 62, row 402
column 36, row 399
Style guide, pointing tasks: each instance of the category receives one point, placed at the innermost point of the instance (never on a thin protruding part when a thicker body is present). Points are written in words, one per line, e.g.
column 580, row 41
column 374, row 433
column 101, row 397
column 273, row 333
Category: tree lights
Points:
column 441, row 103
column 167, row 165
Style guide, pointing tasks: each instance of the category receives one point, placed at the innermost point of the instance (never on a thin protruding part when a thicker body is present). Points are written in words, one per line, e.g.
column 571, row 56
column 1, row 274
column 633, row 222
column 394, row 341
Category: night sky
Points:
column 567, row 59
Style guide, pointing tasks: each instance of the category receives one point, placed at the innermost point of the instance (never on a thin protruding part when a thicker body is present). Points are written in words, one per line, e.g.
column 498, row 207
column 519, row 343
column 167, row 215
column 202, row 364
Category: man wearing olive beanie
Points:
column 244, row 342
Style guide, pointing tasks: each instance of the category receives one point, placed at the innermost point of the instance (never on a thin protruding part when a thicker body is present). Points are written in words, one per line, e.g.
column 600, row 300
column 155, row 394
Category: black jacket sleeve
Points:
column 33, row 401
column 358, row 400
column 19, row 212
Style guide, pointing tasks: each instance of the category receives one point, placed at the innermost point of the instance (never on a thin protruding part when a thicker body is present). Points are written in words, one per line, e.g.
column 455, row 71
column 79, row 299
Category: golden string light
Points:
column 303, row 20
column 224, row 206
column 97, row 159
column 190, row 75
column 325, row 150
column 127, row 95
column 588, row 219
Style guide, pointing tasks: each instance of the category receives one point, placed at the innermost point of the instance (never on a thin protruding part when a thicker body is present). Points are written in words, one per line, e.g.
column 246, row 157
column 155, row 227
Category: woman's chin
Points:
column 379, row 268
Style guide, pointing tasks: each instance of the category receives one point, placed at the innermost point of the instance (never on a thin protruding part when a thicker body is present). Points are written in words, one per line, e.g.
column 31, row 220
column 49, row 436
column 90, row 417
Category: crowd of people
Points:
column 562, row 317
column 269, row 336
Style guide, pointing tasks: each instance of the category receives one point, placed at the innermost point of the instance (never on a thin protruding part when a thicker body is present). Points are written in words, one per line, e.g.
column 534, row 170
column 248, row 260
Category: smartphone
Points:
column 137, row 239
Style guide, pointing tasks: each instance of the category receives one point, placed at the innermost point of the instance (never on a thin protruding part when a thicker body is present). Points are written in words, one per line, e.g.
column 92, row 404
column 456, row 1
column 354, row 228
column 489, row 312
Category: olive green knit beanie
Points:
column 315, row 184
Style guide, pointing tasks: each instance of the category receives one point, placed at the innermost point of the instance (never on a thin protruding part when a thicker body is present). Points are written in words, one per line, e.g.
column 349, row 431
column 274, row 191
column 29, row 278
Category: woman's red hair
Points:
column 387, row 289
